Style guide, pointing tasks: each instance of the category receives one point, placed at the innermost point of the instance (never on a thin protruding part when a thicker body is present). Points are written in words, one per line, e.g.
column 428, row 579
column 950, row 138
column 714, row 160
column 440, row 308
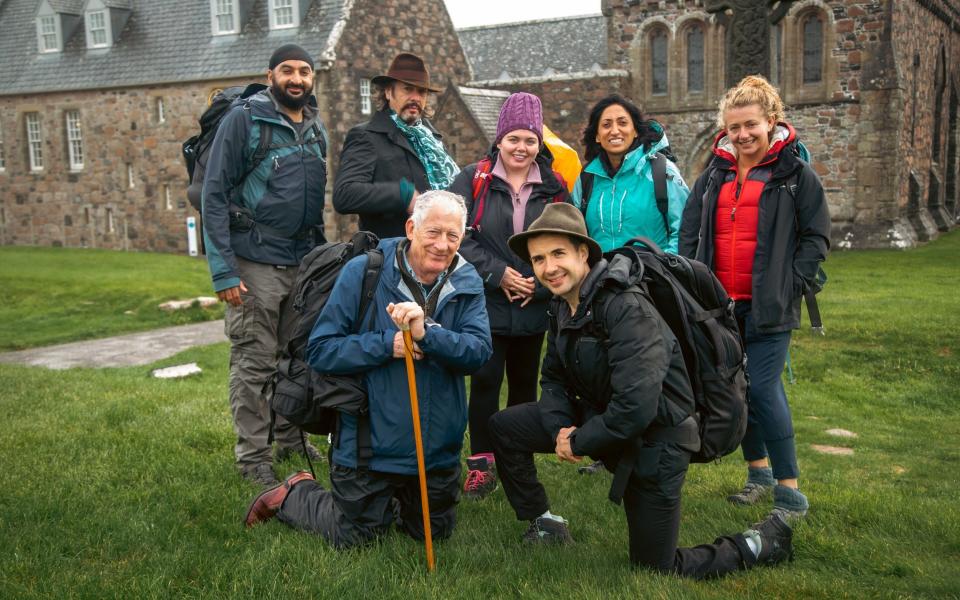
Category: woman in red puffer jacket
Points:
column 758, row 216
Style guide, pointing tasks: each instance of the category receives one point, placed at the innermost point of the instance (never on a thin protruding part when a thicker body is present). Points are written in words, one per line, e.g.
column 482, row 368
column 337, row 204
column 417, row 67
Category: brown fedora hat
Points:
column 408, row 68
column 558, row 219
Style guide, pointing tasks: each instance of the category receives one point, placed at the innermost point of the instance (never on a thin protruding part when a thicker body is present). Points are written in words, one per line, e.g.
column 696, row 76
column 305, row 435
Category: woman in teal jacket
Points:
column 620, row 202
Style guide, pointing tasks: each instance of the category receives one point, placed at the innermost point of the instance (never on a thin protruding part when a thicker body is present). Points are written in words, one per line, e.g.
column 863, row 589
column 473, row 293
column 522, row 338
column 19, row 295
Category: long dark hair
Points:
column 645, row 134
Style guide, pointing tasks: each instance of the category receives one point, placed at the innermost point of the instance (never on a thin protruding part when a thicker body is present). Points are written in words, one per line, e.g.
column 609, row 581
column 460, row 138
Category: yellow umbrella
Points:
column 566, row 161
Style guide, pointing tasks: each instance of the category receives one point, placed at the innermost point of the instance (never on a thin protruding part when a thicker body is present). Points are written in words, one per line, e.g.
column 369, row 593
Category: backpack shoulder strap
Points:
column 586, row 188
column 659, row 166
column 371, row 278
column 481, row 185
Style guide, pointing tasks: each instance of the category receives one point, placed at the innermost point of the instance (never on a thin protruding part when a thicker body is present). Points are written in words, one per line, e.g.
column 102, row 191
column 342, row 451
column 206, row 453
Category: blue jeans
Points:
column 769, row 424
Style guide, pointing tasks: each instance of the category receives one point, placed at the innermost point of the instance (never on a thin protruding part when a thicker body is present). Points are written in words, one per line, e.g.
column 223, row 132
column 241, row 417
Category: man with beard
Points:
column 263, row 196
column 387, row 162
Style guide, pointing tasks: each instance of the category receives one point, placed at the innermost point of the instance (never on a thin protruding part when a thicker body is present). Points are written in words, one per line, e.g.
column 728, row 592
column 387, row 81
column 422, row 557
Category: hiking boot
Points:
column 592, row 468
column 750, row 494
column 546, row 530
column 481, row 478
column 789, row 503
column 261, row 474
column 775, row 540
column 265, row 506
column 285, row 453
column 790, row 517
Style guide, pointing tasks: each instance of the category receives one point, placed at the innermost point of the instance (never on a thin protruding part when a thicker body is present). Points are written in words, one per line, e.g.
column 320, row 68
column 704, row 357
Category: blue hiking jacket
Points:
column 285, row 192
column 458, row 347
column 625, row 206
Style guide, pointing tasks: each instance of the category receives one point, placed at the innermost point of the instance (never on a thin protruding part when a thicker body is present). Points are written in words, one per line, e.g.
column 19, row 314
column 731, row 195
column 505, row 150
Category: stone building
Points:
column 874, row 101
column 96, row 97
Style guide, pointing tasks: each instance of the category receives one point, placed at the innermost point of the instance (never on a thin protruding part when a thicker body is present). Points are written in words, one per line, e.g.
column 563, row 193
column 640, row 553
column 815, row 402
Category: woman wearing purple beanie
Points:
column 505, row 192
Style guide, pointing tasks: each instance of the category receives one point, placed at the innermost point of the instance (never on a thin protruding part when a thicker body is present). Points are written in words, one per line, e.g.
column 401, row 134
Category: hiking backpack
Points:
column 698, row 310
column 481, row 185
column 306, row 398
column 659, row 166
column 196, row 149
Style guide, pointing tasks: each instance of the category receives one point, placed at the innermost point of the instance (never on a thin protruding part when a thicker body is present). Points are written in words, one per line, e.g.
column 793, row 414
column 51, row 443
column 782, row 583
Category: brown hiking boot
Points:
column 265, row 506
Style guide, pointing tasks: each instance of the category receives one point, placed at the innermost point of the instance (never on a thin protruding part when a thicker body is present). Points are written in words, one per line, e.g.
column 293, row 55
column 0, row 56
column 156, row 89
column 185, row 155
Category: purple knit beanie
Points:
column 520, row 111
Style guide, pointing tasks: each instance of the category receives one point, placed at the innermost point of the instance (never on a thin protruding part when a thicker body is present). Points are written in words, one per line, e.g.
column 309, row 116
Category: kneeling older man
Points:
column 614, row 387
column 427, row 285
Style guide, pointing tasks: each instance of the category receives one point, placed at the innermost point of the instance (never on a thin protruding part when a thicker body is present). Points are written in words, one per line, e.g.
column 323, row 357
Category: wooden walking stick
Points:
column 418, row 439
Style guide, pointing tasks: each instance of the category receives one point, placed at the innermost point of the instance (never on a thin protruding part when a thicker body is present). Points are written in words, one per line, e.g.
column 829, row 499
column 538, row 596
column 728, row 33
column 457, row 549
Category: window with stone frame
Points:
column 658, row 62
column 97, row 29
column 812, row 32
column 49, row 37
column 161, row 115
column 3, row 159
column 695, row 59
column 34, row 141
column 283, row 14
column 366, row 101
column 74, row 140
column 224, row 17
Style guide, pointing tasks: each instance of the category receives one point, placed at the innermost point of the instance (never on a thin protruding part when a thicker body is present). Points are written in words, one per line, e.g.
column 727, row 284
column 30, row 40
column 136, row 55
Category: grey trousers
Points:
column 360, row 506
column 257, row 331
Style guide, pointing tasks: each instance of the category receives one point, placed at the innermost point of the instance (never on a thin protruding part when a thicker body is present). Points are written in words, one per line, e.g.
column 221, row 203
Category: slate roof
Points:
column 536, row 48
column 74, row 7
column 484, row 106
column 163, row 41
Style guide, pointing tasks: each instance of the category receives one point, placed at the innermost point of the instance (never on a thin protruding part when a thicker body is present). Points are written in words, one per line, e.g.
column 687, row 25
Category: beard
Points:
column 291, row 102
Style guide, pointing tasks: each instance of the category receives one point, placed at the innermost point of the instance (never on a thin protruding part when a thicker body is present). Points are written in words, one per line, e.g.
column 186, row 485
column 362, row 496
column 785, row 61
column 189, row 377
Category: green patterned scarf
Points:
column 439, row 166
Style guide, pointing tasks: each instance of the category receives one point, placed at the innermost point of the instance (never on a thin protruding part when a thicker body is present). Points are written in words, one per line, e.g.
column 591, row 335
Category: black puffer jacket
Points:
column 487, row 250
column 607, row 367
column 375, row 157
column 793, row 235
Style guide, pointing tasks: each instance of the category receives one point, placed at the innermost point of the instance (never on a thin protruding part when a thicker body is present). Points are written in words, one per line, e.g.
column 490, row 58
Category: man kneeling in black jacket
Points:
column 610, row 360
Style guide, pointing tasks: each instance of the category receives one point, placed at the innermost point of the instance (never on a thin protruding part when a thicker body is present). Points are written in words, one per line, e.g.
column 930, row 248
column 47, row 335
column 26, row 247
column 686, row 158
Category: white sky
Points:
column 470, row 13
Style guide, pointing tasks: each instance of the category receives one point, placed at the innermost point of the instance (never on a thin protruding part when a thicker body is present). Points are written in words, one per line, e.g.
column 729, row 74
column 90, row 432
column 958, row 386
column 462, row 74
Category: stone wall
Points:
column 123, row 142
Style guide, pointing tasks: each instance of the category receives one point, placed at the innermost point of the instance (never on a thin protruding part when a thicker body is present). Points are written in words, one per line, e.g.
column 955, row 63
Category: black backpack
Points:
column 698, row 310
column 196, row 149
column 306, row 398
column 659, row 166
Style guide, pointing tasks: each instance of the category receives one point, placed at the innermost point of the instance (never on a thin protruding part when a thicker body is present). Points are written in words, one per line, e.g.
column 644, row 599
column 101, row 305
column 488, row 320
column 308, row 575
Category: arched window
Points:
column 812, row 49
column 658, row 60
column 695, row 59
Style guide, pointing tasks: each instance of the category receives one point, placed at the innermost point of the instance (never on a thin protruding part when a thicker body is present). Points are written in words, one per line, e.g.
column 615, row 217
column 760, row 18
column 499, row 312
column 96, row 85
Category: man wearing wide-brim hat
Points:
column 614, row 387
column 387, row 162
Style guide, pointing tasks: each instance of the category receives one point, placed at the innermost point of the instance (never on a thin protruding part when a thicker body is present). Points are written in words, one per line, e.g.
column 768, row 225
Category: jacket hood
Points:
column 615, row 271
column 783, row 136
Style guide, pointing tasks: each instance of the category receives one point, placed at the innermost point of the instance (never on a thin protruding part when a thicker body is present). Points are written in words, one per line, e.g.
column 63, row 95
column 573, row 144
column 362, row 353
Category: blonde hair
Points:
column 752, row 89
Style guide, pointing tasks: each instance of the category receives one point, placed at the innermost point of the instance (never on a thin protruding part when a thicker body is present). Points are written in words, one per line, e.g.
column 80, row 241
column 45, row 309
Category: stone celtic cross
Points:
column 748, row 33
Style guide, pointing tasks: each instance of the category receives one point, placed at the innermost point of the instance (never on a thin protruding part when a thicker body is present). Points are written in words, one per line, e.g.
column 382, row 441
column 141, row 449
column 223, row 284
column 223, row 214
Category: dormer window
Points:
column 48, row 33
column 283, row 14
column 97, row 32
column 224, row 17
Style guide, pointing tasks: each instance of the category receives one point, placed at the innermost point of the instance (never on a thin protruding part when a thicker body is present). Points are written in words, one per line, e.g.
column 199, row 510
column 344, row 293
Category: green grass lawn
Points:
column 54, row 295
column 118, row 485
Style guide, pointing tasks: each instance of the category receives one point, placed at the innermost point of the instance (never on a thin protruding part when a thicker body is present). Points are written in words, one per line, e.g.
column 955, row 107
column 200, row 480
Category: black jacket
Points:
column 375, row 157
column 793, row 235
column 607, row 367
column 487, row 250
